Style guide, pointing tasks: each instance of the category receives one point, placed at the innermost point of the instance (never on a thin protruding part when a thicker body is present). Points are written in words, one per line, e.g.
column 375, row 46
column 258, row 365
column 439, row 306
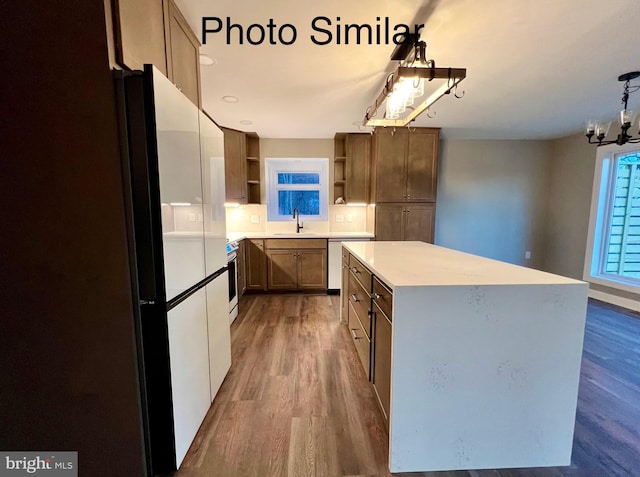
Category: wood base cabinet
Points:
column 381, row 349
column 255, row 269
column 405, row 222
column 296, row 264
column 241, row 268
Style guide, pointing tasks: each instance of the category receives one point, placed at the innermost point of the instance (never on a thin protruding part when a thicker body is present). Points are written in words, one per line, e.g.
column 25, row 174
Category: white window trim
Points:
column 276, row 164
column 600, row 204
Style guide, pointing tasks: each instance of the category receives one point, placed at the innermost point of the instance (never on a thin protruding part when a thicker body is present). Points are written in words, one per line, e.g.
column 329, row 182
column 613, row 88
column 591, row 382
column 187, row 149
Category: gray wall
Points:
column 492, row 198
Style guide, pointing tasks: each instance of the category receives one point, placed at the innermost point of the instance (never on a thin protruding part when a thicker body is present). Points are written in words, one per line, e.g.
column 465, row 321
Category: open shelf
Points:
column 253, row 168
column 339, row 166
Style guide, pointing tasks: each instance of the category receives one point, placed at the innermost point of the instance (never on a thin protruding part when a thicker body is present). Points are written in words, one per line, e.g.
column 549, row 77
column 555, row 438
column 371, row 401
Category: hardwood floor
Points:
column 296, row 402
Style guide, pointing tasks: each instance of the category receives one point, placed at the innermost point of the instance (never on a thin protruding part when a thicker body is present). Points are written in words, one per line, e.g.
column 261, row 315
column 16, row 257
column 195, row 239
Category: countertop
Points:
column 415, row 264
column 233, row 236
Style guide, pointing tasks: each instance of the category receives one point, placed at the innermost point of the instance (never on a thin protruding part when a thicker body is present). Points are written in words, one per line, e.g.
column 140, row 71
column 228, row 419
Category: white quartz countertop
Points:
column 415, row 264
column 301, row 235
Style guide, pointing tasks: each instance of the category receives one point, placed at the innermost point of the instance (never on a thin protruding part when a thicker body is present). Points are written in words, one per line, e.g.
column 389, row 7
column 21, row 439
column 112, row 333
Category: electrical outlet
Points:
column 255, row 219
column 192, row 217
column 349, row 218
column 527, row 255
column 339, row 218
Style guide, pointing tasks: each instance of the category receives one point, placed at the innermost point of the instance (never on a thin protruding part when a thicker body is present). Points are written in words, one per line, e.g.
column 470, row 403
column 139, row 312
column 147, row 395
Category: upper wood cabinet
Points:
column 235, row 165
column 155, row 32
column 405, row 164
column 242, row 166
column 358, row 164
column 139, row 33
column 183, row 54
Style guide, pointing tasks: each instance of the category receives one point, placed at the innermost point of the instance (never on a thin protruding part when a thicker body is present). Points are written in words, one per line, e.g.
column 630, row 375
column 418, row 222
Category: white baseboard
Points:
column 615, row 300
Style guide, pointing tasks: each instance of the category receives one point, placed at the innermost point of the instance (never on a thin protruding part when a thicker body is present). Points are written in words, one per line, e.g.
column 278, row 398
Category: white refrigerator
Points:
column 173, row 162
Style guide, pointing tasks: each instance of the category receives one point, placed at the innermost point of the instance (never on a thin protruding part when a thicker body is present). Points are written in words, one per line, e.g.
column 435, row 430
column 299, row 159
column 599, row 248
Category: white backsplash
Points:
column 342, row 218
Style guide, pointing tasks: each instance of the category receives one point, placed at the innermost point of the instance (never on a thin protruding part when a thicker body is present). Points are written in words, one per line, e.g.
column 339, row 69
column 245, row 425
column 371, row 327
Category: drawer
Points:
column 361, row 272
column 383, row 297
column 360, row 301
column 362, row 343
column 295, row 243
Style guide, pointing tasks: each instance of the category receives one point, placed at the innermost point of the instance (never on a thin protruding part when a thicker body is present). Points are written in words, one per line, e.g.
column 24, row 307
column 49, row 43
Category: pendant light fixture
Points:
column 403, row 91
column 599, row 129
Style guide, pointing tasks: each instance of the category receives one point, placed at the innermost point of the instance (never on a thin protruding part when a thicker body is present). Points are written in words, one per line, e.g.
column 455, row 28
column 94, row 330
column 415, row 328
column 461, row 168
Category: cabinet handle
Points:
column 376, row 296
column 355, row 270
column 354, row 297
column 354, row 334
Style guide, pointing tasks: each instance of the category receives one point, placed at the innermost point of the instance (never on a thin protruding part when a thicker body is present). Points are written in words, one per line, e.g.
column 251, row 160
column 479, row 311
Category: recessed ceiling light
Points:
column 230, row 99
column 206, row 60
column 246, row 122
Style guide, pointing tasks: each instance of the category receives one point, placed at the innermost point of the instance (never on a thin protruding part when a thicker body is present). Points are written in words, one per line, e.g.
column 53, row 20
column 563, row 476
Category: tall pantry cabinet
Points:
column 404, row 180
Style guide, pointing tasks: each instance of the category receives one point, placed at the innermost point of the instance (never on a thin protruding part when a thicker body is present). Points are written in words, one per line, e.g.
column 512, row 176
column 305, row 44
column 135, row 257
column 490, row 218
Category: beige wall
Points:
column 296, row 148
column 568, row 205
column 569, row 202
column 492, row 198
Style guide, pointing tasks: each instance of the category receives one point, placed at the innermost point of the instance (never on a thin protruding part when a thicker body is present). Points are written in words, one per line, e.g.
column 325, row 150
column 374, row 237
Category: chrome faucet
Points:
column 296, row 215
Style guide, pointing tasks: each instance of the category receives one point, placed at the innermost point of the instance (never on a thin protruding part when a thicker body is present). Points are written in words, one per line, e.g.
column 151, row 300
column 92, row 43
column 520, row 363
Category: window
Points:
column 613, row 257
column 297, row 184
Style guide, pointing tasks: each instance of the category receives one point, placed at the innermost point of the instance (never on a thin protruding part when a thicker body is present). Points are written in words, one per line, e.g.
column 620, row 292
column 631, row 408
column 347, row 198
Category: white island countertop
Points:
column 411, row 264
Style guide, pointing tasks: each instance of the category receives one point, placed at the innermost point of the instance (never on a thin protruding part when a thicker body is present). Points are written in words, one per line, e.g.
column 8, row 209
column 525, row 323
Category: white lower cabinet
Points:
column 219, row 331
column 189, row 355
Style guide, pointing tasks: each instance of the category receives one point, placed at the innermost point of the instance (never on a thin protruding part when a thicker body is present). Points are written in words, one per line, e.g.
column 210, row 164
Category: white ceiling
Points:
column 535, row 68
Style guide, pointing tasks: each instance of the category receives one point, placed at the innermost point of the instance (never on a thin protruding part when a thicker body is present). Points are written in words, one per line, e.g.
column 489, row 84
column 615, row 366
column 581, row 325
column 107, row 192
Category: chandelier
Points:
column 403, row 93
column 599, row 129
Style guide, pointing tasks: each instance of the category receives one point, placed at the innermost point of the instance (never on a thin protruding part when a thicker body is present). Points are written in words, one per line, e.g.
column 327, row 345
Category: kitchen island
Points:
column 475, row 362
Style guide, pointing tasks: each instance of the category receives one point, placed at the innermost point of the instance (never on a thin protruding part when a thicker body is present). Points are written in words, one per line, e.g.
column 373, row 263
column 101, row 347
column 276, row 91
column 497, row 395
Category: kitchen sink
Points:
column 293, row 233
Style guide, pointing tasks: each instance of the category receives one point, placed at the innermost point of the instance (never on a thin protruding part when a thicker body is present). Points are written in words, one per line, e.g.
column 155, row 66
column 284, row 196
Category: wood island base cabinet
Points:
column 475, row 363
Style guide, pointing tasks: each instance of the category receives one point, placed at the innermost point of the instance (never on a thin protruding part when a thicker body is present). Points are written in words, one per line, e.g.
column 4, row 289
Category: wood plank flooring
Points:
column 296, row 402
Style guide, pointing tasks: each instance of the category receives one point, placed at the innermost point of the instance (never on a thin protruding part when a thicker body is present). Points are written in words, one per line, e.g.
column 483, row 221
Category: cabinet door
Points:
column 422, row 165
column 139, row 33
column 282, row 267
column 382, row 360
column 390, row 157
column 312, row 268
column 389, row 221
column 344, row 291
column 241, row 268
column 419, row 221
column 190, row 381
column 256, row 265
column 235, row 164
column 183, row 58
column 358, row 167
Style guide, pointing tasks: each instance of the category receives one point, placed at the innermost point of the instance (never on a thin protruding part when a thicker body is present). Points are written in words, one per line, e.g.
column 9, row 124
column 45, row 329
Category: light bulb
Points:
column 627, row 117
